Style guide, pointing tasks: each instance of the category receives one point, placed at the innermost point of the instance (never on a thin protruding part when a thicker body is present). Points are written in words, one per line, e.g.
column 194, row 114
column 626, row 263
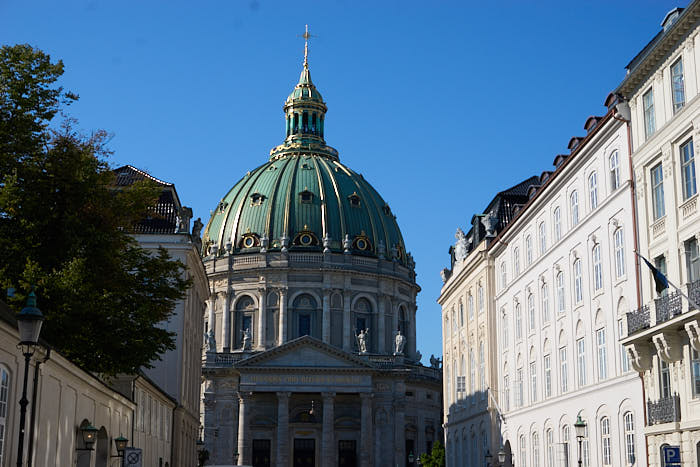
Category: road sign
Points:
column 671, row 456
column 132, row 457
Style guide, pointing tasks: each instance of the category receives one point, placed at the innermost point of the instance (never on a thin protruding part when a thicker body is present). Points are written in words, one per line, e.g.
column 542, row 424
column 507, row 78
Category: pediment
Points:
column 304, row 352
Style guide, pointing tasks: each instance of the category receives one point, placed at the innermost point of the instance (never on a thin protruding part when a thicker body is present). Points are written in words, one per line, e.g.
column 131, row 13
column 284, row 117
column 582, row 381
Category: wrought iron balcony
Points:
column 665, row 410
column 638, row 319
column 668, row 307
column 694, row 292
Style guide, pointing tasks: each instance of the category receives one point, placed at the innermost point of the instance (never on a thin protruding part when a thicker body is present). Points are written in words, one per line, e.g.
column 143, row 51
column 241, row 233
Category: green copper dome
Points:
column 304, row 199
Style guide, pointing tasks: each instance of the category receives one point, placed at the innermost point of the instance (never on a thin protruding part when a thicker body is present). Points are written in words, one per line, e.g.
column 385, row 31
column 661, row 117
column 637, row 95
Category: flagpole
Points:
column 678, row 289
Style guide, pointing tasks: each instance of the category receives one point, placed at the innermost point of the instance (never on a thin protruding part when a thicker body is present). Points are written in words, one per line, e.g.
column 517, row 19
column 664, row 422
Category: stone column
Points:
column 400, row 432
column 366, row 430
column 347, row 331
column 282, row 334
column 381, row 318
column 326, row 328
column 211, row 313
column 328, row 440
column 244, row 444
column 226, row 332
column 209, row 415
column 262, row 320
column 282, row 429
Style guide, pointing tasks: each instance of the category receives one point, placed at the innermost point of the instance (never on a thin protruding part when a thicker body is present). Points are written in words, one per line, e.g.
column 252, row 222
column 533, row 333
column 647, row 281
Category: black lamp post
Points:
column 580, row 427
column 29, row 322
column 501, row 457
column 120, row 445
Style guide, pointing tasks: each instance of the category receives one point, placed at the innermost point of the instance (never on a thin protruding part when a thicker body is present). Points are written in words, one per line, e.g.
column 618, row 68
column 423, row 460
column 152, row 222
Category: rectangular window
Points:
column 472, row 372
column 664, row 380
column 506, row 393
column 533, row 382
column 692, row 260
column 696, row 373
column 602, row 355
column 578, row 282
column 614, row 171
column 657, row 192
column 480, row 299
column 545, row 302
column 504, row 278
column 528, row 250
column 688, row 169
column 557, row 224
column 597, row 269
column 560, row 293
column 504, row 318
column 519, row 388
column 581, row 357
column 593, row 190
column 677, row 82
column 606, row 440
column 629, row 437
column 624, row 358
column 482, row 370
column 574, row 208
column 547, row 376
column 649, row 120
column 543, row 238
column 564, row 370
column 518, row 322
column 619, row 253
column 565, row 436
column 550, row 447
column 531, row 311
column 523, row 451
column 470, row 306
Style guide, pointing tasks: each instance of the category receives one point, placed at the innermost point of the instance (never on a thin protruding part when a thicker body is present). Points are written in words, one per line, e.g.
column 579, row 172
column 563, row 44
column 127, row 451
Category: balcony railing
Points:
column 638, row 319
column 694, row 293
column 668, row 307
column 665, row 410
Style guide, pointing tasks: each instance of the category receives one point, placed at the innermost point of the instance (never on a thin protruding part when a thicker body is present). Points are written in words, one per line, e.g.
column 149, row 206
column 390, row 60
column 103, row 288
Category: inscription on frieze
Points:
column 314, row 380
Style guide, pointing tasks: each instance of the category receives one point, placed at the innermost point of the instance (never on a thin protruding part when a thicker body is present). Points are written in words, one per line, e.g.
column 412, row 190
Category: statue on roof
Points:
column 460, row 245
column 399, row 342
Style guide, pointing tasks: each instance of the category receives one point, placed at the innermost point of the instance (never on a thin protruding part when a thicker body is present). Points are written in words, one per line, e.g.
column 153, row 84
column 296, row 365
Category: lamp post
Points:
column 29, row 322
column 120, row 444
column 580, row 427
column 501, row 457
column 410, row 457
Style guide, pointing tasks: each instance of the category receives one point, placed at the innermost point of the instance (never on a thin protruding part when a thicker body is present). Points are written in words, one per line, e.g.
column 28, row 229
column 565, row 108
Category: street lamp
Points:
column 580, row 427
column 120, row 444
column 410, row 457
column 29, row 322
column 501, row 456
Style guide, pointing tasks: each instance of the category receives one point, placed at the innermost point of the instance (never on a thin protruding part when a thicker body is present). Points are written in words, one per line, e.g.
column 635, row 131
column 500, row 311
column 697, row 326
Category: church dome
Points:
column 304, row 198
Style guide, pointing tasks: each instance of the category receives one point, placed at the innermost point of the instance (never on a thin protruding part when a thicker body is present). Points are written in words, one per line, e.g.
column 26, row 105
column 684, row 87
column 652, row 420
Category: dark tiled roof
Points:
column 127, row 175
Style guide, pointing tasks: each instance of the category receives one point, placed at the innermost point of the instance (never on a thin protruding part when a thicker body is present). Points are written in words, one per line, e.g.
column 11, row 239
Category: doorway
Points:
column 347, row 453
column 304, row 452
column 261, row 453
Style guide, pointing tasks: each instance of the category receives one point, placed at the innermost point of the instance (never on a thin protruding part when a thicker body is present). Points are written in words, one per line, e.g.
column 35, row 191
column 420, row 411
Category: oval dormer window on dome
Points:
column 256, row 199
column 222, row 206
column 306, row 197
column 249, row 240
column 354, row 200
column 387, row 210
column 362, row 242
column 306, row 238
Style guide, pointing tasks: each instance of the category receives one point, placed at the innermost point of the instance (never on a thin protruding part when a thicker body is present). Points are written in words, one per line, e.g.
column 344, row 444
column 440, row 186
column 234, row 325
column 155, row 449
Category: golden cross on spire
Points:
column 306, row 37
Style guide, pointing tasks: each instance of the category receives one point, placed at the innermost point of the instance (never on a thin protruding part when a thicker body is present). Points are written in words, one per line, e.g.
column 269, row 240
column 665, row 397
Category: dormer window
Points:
column 222, row 206
column 354, row 200
column 249, row 240
column 387, row 210
column 362, row 243
column 306, row 197
column 305, row 238
column 256, row 199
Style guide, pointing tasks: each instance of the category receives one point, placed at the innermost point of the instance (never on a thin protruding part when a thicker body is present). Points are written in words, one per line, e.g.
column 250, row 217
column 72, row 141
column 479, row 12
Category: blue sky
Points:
column 439, row 104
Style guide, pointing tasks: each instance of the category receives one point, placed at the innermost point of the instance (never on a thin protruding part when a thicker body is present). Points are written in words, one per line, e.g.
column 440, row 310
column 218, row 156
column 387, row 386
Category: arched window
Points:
column 516, row 261
column 504, row 327
column 619, row 253
column 4, row 393
column 565, row 441
column 503, row 275
column 597, row 268
column 593, row 190
column 528, row 250
column 561, row 303
column 305, row 318
column 461, row 381
column 549, row 446
column 557, row 224
column 535, row 449
column 605, row 440
column 543, row 238
column 480, row 298
column 614, row 171
column 482, row 370
column 245, row 321
column 448, row 388
column 461, row 313
column 578, row 282
column 563, row 370
column 628, row 419
column 472, row 372
column 573, row 203
column 523, row 452
column 518, row 322
column 470, row 306
column 363, row 320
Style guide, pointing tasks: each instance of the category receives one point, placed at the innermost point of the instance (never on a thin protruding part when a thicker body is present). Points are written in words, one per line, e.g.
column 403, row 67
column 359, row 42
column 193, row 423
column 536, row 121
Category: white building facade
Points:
column 565, row 278
column 662, row 88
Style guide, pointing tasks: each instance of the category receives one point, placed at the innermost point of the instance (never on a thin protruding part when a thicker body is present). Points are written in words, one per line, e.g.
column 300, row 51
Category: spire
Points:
column 306, row 37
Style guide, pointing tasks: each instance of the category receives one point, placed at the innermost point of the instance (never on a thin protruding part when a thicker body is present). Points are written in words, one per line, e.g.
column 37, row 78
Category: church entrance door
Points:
column 347, row 453
column 261, row 453
column 304, row 452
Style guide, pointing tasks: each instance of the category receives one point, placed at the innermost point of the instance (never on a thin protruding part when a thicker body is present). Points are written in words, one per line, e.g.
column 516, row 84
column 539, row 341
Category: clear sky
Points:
column 439, row 104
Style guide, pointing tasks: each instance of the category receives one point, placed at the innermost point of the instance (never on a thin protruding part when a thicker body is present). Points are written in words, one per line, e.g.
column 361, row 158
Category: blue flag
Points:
column 659, row 278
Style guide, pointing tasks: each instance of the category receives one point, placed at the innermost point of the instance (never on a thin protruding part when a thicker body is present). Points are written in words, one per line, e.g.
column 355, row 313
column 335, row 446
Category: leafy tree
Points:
column 64, row 228
column 436, row 458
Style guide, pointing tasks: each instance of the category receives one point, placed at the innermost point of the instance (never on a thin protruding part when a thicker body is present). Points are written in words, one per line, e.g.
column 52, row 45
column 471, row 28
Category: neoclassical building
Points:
column 311, row 335
column 663, row 93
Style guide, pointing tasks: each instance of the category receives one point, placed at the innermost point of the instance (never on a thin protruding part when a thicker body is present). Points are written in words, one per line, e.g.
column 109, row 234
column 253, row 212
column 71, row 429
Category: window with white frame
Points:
column 593, row 190
column 504, row 278
column 544, row 300
column 565, row 439
column 547, row 376
column 688, row 169
column 480, row 298
column 461, row 380
column 581, row 360
column 597, row 268
column 470, row 306
column 506, row 393
column 549, row 441
column 606, row 441
column 602, row 354
column 482, row 370
column 695, row 372
column 619, row 237
column 649, row 119
column 614, row 171
column 504, row 326
column 4, row 395
column 461, row 313
column 519, row 396
column 624, row 358
column 578, row 281
column 533, row 382
column 561, row 303
column 523, row 452
column 585, row 448
column 472, row 372
column 573, row 202
column 629, row 438
column 678, row 85
column 657, row 192
column 516, row 261
column 564, row 370
column 518, row 322
column 531, row 312
column 543, row 238
column 557, row 223
column 535, row 449
column 528, row 250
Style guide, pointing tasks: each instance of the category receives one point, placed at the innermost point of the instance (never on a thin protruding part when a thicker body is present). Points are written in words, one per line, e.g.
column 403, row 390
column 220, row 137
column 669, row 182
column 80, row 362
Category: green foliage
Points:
column 62, row 229
column 436, row 458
